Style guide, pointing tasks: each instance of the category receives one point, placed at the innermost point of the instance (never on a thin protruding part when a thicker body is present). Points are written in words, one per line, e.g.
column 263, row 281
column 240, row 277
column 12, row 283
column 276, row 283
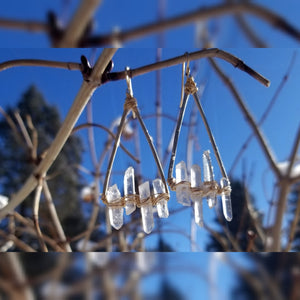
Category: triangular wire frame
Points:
column 190, row 87
column 130, row 105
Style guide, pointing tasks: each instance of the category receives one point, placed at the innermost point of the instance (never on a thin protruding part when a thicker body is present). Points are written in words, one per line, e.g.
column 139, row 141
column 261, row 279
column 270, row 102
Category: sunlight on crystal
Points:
column 226, row 200
column 208, row 173
column 182, row 190
column 196, row 197
column 129, row 189
column 115, row 214
column 146, row 209
column 162, row 205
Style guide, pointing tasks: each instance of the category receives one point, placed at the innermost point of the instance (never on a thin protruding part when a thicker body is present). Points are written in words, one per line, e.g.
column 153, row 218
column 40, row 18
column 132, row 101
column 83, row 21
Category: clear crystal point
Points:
column 226, row 200
column 115, row 213
column 162, row 205
column 198, row 211
column 182, row 190
column 146, row 208
column 129, row 190
column 196, row 196
column 208, row 173
column 195, row 176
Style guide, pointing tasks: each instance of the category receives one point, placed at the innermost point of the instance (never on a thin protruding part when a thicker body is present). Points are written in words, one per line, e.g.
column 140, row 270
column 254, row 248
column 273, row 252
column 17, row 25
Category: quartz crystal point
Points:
column 146, row 208
column 196, row 196
column 226, row 200
column 162, row 205
column 129, row 191
column 182, row 190
column 115, row 213
column 208, row 172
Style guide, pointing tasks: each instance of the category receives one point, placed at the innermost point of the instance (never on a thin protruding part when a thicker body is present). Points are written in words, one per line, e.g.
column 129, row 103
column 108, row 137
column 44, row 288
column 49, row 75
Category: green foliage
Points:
column 17, row 162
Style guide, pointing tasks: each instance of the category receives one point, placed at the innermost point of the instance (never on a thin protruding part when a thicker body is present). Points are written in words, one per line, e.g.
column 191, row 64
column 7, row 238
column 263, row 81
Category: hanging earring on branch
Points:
column 195, row 189
column 111, row 196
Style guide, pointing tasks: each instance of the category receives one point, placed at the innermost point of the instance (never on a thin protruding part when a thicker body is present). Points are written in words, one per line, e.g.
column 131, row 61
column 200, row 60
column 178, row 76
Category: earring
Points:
column 111, row 196
column 194, row 189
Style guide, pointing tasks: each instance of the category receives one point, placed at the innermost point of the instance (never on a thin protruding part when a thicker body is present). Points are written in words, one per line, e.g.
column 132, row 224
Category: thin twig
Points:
column 19, row 276
column 13, row 126
column 36, row 205
column 249, row 33
column 266, row 112
column 24, row 25
column 294, row 224
column 23, row 130
column 72, row 66
column 54, row 217
column 17, row 242
column 110, row 133
column 83, row 96
column 201, row 14
column 293, row 155
column 258, row 133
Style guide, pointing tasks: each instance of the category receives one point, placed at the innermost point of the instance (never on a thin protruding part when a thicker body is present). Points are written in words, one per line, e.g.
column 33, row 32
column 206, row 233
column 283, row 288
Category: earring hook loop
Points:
column 128, row 81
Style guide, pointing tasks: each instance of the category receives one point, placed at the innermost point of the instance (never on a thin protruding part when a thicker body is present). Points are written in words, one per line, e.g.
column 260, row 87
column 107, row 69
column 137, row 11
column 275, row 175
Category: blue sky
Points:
column 228, row 124
column 129, row 14
column 60, row 87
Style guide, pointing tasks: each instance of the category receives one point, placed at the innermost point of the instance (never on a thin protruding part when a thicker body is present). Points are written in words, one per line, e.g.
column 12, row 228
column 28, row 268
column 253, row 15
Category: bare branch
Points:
column 201, row 14
column 259, row 135
column 83, row 96
column 72, row 66
column 78, row 24
column 208, row 53
column 110, row 133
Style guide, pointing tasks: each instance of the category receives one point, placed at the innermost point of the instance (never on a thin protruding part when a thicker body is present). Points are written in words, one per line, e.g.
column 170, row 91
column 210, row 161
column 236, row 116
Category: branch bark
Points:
column 86, row 91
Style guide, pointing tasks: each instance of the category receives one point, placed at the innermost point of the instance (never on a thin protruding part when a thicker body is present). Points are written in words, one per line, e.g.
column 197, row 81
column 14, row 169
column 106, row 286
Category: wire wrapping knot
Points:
column 158, row 197
column 190, row 86
column 130, row 104
column 147, row 201
column 116, row 204
column 226, row 190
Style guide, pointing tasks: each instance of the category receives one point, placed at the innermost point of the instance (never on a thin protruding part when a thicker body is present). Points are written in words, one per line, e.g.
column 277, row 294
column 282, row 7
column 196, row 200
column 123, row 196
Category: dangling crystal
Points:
column 226, row 200
column 182, row 190
column 115, row 213
column 162, row 205
column 196, row 196
column 129, row 191
column 146, row 208
column 208, row 172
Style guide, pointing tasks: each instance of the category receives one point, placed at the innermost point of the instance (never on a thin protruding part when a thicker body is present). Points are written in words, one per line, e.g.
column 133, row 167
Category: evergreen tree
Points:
column 241, row 224
column 293, row 199
column 17, row 163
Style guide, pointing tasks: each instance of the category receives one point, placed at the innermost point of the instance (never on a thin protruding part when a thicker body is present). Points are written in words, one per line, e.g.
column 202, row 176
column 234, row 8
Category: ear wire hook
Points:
column 130, row 104
column 128, row 81
column 186, row 72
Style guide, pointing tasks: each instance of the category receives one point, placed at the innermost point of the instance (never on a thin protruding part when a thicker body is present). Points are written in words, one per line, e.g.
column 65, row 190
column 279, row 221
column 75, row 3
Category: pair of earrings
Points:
column 186, row 190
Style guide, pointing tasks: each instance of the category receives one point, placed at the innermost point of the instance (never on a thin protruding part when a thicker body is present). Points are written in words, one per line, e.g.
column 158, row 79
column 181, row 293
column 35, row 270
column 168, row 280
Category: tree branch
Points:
column 208, row 53
column 78, row 24
column 202, row 14
column 83, row 96
column 259, row 135
column 40, row 63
